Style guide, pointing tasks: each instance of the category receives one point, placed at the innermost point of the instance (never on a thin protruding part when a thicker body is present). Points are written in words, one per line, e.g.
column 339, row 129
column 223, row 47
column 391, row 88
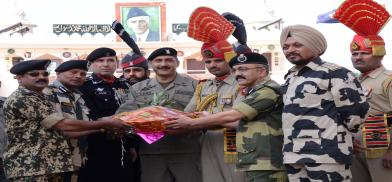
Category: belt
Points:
column 376, row 135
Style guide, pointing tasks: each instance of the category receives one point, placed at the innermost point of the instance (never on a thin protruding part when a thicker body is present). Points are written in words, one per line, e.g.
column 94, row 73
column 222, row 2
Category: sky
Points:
column 44, row 13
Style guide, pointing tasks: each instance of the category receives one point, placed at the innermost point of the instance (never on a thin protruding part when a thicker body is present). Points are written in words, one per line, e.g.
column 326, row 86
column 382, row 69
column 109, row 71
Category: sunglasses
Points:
column 35, row 74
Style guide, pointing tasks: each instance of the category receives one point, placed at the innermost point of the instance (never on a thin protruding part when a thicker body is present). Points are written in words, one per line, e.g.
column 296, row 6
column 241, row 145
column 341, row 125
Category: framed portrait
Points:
column 145, row 22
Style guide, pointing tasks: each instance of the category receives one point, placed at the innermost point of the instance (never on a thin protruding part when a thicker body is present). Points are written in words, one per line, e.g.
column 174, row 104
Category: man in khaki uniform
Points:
column 174, row 157
column 218, row 155
column 218, row 145
column 373, row 159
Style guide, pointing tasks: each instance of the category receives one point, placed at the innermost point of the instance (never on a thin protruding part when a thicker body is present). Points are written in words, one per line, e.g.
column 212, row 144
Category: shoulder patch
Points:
column 331, row 66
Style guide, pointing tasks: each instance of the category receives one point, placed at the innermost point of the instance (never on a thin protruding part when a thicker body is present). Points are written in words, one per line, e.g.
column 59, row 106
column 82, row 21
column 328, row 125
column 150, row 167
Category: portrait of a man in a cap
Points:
column 139, row 21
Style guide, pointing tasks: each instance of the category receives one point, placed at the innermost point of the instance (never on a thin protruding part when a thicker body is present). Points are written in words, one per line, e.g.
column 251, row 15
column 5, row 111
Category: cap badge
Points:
column 242, row 58
column 167, row 51
column 354, row 46
column 208, row 53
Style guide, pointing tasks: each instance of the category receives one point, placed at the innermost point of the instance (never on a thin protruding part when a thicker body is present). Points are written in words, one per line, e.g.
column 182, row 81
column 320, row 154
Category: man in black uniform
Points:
column 110, row 158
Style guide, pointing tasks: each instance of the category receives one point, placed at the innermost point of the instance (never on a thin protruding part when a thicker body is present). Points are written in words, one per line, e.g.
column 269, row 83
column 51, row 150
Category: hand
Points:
column 387, row 160
column 133, row 154
column 202, row 114
column 179, row 123
column 358, row 148
column 115, row 126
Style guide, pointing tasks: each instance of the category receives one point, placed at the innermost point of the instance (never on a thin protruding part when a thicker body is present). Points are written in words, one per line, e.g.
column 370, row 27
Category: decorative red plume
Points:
column 208, row 26
column 364, row 17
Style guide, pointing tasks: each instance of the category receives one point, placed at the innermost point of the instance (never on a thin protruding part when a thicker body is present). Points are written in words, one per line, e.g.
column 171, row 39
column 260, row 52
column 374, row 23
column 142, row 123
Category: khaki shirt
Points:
column 226, row 89
column 176, row 95
column 34, row 147
column 71, row 106
column 379, row 84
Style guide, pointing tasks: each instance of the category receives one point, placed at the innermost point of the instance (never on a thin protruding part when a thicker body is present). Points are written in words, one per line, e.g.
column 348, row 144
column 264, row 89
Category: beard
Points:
column 135, row 80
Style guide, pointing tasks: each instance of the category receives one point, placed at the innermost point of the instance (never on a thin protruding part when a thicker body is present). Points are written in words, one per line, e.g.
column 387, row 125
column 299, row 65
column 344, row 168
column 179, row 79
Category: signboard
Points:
column 81, row 29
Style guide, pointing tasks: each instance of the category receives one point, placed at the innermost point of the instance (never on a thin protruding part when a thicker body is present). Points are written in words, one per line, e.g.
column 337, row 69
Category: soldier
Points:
column 135, row 68
column 323, row 104
column 3, row 139
column 134, row 65
column 66, row 99
column 218, row 154
column 109, row 157
column 374, row 162
column 174, row 157
column 38, row 149
column 259, row 132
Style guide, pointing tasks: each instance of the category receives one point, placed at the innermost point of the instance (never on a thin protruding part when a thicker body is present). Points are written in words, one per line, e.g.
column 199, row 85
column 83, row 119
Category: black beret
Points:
column 25, row 66
column 248, row 58
column 164, row 51
column 72, row 64
column 135, row 11
column 99, row 53
column 134, row 60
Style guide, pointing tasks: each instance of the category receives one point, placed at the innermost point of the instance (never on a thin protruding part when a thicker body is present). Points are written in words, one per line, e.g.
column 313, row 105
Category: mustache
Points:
column 239, row 77
column 164, row 67
column 42, row 81
column 292, row 54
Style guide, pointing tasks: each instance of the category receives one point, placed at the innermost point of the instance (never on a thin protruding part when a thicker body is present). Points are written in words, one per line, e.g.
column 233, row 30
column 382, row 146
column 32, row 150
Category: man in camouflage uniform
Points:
column 174, row 157
column 67, row 100
column 323, row 104
column 373, row 159
column 259, row 132
column 38, row 149
column 3, row 139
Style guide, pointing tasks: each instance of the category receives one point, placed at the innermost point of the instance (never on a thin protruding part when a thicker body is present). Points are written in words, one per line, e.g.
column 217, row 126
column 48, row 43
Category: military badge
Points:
column 242, row 58
column 355, row 46
column 208, row 53
column 167, row 51
column 226, row 100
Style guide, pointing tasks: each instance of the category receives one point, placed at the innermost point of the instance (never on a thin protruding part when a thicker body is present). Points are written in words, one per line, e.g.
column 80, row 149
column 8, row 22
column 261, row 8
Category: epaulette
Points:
column 202, row 81
column 331, row 66
column 387, row 84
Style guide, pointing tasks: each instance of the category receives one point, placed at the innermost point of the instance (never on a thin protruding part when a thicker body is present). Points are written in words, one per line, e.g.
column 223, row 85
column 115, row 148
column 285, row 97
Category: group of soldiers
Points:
column 249, row 128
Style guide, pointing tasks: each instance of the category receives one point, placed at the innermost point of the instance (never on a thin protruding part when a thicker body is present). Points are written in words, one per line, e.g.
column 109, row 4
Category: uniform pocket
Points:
column 307, row 140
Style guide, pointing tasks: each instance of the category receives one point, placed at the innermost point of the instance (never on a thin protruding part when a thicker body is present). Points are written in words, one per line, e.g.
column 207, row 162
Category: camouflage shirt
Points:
column 34, row 147
column 3, row 137
column 176, row 95
column 72, row 106
column 323, row 104
column 259, row 134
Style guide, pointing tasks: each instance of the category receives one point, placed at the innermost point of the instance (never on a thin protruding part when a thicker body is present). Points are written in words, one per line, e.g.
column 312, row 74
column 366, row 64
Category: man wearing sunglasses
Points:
column 38, row 148
column 259, row 136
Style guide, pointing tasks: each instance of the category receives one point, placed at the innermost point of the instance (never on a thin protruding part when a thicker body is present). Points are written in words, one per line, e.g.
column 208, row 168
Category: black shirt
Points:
column 106, row 160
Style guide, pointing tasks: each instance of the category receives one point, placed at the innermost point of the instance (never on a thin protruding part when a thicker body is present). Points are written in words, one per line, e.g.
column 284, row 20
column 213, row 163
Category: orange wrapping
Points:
column 150, row 119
